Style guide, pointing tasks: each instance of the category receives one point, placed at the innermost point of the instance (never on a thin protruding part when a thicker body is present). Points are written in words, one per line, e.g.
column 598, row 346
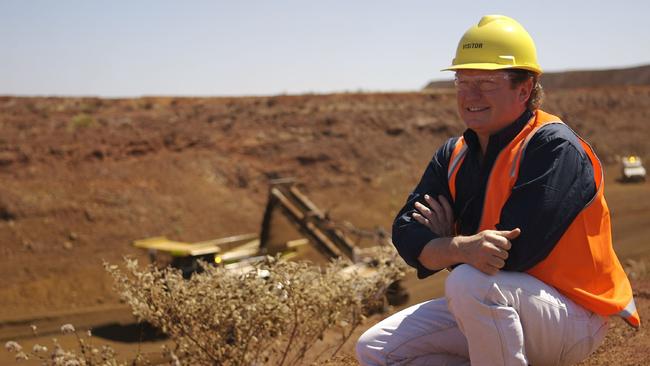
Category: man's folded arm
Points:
column 408, row 235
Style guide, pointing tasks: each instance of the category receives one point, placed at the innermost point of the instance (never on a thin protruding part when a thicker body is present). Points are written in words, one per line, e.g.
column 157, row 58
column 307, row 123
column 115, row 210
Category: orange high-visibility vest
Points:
column 582, row 265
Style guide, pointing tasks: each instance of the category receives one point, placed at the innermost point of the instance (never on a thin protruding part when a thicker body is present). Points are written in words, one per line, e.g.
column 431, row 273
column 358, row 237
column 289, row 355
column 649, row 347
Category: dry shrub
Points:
column 636, row 268
column 85, row 354
column 272, row 314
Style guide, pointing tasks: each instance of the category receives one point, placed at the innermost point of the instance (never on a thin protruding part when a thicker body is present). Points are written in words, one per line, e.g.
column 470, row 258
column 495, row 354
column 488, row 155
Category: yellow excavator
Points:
column 285, row 204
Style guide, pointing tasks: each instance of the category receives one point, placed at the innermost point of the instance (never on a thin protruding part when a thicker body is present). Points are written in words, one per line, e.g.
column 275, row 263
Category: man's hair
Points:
column 518, row 76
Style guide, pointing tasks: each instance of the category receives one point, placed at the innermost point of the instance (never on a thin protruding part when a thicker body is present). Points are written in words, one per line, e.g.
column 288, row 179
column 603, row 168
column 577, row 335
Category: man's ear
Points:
column 525, row 90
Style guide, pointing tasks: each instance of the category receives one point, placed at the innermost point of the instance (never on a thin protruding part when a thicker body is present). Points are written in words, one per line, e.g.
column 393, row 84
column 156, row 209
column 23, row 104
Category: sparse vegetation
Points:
column 86, row 354
column 272, row 314
column 636, row 268
column 81, row 120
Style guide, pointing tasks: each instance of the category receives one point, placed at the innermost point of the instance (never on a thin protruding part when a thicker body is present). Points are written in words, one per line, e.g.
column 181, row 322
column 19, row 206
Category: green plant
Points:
column 81, row 120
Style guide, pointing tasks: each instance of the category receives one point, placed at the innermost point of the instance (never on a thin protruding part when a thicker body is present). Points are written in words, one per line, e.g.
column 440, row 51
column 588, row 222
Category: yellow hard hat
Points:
column 496, row 42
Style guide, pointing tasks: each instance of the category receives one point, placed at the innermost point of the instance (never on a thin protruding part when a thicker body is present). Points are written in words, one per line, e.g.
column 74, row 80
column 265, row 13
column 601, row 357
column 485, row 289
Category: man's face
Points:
column 487, row 102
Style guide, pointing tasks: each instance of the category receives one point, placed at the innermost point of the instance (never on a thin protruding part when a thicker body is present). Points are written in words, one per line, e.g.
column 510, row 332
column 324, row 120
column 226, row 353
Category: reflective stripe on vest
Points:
column 583, row 264
column 457, row 158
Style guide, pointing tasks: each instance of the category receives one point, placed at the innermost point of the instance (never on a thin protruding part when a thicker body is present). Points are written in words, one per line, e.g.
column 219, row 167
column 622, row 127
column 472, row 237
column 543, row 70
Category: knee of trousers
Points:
column 366, row 349
column 465, row 282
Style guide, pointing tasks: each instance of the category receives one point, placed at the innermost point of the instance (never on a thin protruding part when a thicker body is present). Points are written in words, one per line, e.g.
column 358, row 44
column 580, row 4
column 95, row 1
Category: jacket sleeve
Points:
column 555, row 183
column 409, row 236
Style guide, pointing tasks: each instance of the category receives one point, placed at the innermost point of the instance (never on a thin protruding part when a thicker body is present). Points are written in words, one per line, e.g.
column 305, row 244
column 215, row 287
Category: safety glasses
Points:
column 482, row 83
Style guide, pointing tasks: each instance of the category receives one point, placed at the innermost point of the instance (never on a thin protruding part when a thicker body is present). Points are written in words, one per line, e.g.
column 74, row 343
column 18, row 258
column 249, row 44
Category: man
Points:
column 515, row 209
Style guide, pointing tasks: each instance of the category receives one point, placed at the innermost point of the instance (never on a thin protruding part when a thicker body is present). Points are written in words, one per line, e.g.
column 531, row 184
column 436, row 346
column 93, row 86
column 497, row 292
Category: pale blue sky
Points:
column 214, row 48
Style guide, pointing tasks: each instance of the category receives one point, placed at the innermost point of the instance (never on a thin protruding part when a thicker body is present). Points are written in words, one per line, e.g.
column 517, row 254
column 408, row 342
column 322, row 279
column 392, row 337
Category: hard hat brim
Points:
column 491, row 67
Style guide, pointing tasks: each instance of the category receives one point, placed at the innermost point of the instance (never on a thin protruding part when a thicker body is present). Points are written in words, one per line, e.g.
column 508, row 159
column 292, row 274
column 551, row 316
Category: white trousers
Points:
column 510, row 318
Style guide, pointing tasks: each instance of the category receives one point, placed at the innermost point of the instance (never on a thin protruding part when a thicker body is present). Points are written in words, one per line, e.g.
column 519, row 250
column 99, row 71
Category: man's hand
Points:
column 487, row 250
column 438, row 217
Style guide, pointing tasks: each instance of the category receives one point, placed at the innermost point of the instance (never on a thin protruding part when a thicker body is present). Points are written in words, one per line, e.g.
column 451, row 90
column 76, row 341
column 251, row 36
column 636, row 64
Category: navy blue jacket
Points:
column 555, row 183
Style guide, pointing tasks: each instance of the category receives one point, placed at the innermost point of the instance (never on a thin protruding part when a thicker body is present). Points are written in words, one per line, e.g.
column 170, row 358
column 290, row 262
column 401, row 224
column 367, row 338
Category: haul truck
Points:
column 632, row 169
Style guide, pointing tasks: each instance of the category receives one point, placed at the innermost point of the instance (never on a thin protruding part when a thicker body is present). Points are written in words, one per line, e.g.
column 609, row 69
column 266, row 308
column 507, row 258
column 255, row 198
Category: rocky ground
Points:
column 81, row 178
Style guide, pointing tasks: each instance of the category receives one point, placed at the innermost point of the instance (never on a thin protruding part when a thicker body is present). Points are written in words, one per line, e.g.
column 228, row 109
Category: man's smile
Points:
column 477, row 109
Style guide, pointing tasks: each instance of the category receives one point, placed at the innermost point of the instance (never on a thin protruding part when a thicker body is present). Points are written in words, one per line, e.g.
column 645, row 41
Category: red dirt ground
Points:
column 83, row 177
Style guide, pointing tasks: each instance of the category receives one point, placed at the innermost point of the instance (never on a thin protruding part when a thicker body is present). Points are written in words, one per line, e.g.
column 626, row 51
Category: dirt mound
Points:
column 83, row 177
column 597, row 78
column 581, row 79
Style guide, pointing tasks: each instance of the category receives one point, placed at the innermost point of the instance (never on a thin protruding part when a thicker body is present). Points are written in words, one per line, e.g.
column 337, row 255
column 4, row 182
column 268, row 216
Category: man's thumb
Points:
column 512, row 234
